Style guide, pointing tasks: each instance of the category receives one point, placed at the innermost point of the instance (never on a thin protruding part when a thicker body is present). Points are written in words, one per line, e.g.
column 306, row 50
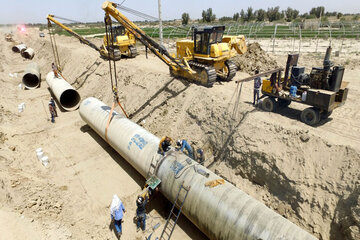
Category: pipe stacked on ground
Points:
column 65, row 94
column 19, row 48
column 221, row 212
column 31, row 78
column 28, row 53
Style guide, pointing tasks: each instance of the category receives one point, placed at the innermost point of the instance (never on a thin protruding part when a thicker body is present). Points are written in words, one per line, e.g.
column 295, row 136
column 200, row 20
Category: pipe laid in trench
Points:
column 28, row 53
column 221, row 212
column 19, row 48
column 66, row 95
column 31, row 78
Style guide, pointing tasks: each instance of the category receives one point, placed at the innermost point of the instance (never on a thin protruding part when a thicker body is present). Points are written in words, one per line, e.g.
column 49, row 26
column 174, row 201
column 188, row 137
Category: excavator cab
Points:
column 205, row 36
column 118, row 31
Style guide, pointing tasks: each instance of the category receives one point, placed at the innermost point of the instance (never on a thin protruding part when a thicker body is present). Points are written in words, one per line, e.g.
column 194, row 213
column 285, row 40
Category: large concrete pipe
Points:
column 221, row 212
column 66, row 95
column 28, row 53
column 19, row 48
column 31, row 78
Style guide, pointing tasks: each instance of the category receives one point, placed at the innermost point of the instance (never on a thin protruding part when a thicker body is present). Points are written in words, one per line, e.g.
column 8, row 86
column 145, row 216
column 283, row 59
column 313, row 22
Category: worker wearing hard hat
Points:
column 183, row 144
column 141, row 213
column 164, row 145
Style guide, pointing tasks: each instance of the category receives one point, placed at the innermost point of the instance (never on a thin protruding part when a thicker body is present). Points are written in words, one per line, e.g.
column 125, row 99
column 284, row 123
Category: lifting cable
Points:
column 53, row 45
column 114, row 82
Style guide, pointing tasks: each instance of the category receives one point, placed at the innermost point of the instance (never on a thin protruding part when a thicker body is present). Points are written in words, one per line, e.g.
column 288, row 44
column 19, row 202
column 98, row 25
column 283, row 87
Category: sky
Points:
column 35, row 11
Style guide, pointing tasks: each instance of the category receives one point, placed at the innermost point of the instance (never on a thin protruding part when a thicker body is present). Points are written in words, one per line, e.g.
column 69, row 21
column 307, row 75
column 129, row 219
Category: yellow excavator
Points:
column 202, row 59
column 123, row 41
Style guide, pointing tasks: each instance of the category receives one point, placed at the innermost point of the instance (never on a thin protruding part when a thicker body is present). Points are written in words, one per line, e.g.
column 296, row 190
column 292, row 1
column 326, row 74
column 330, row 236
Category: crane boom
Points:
column 111, row 10
column 51, row 18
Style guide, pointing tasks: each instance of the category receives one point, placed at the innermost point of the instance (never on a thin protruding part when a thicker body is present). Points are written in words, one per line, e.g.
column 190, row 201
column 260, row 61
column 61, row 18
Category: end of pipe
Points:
column 70, row 99
column 31, row 81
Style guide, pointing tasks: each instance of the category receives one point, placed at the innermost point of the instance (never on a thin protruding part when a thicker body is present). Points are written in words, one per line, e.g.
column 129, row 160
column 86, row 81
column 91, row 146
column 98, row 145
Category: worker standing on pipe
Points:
column 140, row 213
column 52, row 112
column 55, row 70
column 52, row 102
column 183, row 144
column 117, row 211
column 164, row 145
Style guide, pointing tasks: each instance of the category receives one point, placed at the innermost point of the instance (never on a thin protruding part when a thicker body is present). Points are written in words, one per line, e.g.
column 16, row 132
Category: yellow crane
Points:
column 123, row 41
column 202, row 59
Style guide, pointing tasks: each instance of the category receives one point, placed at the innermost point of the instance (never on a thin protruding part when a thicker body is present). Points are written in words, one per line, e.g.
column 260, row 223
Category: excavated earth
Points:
column 310, row 175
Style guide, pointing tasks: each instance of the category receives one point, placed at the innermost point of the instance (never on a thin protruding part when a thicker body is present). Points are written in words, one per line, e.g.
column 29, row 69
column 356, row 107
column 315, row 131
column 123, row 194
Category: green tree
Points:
column 185, row 18
column 273, row 13
column 260, row 15
column 236, row 17
column 339, row 15
column 249, row 14
column 318, row 11
column 291, row 14
column 242, row 15
column 208, row 16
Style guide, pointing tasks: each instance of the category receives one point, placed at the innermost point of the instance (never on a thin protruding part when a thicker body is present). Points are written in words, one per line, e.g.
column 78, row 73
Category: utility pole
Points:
column 160, row 23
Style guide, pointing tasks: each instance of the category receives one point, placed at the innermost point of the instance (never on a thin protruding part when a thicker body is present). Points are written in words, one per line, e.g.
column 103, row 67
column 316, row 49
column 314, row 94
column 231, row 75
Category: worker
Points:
column 117, row 211
column 257, row 85
column 141, row 213
column 200, row 158
column 55, row 70
column 183, row 144
column 52, row 112
column 52, row 102
column 164, row 145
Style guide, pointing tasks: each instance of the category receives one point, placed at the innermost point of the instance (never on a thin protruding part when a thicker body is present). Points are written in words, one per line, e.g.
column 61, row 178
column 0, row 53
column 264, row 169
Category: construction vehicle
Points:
column 202, row 59
column 124, row 42
column 322, row 89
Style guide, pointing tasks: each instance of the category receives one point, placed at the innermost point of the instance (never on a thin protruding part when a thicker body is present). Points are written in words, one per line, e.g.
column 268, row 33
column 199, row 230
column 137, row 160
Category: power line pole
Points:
column 160, row 23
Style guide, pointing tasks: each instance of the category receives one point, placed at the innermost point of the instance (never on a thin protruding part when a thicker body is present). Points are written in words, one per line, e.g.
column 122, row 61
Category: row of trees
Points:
column 271, row 14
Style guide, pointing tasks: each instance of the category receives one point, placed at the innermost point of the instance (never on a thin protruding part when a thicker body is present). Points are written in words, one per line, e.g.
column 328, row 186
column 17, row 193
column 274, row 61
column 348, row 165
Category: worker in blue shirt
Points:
column 257, row 85
column 117, row 211
column 183, row 144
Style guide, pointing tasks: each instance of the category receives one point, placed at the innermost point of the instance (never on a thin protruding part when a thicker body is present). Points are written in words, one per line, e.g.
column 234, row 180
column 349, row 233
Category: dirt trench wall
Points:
column 301, row 172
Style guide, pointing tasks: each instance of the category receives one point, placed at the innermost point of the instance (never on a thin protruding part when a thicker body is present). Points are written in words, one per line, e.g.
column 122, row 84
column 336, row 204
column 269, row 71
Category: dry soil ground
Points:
column 310, row 175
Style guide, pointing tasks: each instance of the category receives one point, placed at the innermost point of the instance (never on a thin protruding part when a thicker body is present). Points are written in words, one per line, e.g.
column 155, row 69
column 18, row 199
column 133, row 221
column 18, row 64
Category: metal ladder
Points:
column 173, row 217
column 153, row 165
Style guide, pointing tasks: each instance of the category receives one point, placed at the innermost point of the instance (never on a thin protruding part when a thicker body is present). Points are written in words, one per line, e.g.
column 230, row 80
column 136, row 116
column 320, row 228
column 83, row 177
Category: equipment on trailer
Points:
column 202, row 59
column 322, row 89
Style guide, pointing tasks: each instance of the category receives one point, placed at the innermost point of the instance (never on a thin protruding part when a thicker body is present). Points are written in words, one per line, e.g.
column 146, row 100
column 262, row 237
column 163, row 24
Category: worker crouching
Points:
column 164, row 145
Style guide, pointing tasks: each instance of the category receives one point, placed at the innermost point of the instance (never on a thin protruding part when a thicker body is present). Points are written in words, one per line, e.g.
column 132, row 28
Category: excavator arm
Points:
column 111, row 10
column 51, row 18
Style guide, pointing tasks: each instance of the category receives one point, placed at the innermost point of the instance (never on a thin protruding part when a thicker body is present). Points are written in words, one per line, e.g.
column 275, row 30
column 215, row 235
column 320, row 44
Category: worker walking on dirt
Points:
column 164, row 145
column 257, row 85
column 52, row 112
column 183, row 144
column 117, row 211
column 141, row 213
column 52, row 102
column 200, row 158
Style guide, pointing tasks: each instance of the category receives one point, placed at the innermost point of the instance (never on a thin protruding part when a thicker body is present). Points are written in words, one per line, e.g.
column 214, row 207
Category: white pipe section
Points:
column 19, row 48
column 66, row 95
column 28, row 53
column 221, row 212
column 31, row 78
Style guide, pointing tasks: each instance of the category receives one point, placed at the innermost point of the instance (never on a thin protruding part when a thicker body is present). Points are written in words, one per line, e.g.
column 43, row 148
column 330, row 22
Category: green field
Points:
column 259, row 30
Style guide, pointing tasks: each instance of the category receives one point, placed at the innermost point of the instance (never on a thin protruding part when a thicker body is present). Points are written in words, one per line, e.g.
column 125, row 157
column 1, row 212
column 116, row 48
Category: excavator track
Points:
column 133, row 51
column 206, row 74
column 231, row 70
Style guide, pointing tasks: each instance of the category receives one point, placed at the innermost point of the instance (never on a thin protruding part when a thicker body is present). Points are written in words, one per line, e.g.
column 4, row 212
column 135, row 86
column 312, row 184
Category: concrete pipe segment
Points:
column 31, row 78
column 28, row 53
column 19, row 48
column 66, row 95
column 221, row 212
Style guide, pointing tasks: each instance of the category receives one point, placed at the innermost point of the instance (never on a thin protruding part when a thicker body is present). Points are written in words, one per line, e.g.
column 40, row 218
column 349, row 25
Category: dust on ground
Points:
column 307, row 174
